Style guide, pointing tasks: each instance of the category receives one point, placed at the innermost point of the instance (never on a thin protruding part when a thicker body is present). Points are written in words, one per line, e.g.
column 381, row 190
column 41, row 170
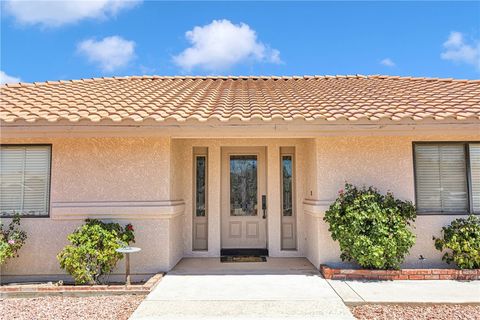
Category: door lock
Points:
column 264, row 206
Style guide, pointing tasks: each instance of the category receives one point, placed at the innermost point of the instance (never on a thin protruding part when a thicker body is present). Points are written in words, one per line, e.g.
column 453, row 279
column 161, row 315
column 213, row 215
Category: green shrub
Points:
column 462, row 239
column 372, row 229
column 11, row 239
column 91, row 254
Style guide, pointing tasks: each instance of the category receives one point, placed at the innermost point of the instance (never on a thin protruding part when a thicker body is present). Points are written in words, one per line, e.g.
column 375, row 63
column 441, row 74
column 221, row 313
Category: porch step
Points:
column 242, row 309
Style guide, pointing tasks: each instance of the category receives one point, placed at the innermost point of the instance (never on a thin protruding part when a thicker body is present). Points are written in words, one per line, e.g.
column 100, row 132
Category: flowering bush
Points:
column 91, row 254
column 11, row 239
column 372, row 229
column 462, row 239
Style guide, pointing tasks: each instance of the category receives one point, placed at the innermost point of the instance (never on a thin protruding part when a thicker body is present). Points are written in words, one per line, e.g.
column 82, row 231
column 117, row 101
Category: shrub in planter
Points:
column 91, row 254
column 372, row 229
column 462, row 239
column 12, row 238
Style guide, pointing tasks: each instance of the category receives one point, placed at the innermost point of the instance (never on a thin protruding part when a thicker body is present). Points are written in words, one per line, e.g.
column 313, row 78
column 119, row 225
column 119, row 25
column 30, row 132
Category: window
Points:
column 200, row 199
column 287, row 185
column 243, row 185
column 474, row 152
column 447, row 177
column 24, row 180
column 201, row 183
column 287, row 195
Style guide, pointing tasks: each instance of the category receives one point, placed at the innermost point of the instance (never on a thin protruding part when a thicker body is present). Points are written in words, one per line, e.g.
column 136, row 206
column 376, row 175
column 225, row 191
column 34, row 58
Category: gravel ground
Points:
column 74, row 308
column 416, row 312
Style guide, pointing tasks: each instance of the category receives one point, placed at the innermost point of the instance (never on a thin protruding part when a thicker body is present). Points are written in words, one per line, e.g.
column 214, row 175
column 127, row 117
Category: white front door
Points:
column 244, row 223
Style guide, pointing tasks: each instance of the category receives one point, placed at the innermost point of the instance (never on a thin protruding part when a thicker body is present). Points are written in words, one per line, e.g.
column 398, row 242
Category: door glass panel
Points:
column 287, row 185
column 243, row 185
column 200, row 186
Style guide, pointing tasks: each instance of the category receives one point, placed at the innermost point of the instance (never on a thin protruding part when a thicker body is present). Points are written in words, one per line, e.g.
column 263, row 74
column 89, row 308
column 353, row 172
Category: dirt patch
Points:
column 417, row 312
column 74, row 308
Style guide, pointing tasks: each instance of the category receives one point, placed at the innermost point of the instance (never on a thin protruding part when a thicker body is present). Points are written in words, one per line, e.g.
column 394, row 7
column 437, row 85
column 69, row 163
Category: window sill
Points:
column 24, row 217
column 437, row 213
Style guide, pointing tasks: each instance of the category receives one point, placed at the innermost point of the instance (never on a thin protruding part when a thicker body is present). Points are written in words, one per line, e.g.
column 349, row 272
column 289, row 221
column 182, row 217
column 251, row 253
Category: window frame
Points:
column 292, row 159
column 288, row 151
column 248, row 157
column 468, row 173
column 195, row 171
column 49, row 199
column 196, row 246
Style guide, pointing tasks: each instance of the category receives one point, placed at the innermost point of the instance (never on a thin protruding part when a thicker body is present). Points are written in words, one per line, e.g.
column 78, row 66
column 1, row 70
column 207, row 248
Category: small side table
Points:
column 127, row 251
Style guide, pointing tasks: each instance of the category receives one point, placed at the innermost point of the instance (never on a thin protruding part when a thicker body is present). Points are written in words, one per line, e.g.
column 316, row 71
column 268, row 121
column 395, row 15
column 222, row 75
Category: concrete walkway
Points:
column 407, row 291
column 281, row 288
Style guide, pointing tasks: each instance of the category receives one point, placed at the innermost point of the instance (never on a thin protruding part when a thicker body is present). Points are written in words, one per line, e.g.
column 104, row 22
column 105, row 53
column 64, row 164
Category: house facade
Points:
column 203, row 164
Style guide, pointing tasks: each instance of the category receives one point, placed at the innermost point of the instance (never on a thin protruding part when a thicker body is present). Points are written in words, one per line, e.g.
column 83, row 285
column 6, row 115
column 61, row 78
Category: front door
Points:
column 244, row 223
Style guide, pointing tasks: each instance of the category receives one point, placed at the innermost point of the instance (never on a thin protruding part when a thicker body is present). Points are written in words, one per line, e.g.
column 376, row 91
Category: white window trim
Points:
column 468, row 172
column 49, row 186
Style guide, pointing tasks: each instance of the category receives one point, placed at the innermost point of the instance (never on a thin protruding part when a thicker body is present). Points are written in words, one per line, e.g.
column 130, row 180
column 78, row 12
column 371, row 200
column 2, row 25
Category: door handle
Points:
column 264, row 206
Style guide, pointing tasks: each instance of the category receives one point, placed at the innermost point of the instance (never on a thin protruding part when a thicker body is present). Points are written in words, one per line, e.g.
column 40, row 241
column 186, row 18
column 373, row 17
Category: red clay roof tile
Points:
column 327, row 98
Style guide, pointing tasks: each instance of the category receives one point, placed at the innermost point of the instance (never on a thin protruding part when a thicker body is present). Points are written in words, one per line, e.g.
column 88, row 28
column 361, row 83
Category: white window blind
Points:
column 24, row 180
column 475, row 174
column 441, row 179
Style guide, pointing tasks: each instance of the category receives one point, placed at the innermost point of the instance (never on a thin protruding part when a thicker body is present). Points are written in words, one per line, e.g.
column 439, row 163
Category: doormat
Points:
column 244, row 252
column 243, row 259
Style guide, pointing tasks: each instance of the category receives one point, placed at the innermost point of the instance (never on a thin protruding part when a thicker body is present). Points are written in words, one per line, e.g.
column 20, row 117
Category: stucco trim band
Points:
column 316, row 208
column 162, row 209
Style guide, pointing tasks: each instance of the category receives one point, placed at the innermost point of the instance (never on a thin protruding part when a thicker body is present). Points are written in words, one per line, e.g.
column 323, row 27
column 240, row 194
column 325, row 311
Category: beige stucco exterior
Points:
column 118, row 179
column 384, row 162
column 148, row 181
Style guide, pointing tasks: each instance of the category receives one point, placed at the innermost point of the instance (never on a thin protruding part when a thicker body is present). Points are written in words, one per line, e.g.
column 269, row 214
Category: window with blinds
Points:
column 447, row 177
column 474, row 152
column 24, row 180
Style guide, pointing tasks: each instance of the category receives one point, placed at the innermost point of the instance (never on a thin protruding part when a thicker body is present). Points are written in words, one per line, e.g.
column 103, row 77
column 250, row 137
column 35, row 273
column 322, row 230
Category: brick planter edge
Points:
column 11, row 291
column 402, row 274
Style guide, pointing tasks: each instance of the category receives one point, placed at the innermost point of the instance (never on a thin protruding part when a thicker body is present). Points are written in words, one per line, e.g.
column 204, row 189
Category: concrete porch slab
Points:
column 407, row 291
column 281, row 288
column 212, row 266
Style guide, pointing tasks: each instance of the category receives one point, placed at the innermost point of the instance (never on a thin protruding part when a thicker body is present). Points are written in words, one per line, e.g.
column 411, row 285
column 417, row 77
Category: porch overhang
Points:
column 238, row 129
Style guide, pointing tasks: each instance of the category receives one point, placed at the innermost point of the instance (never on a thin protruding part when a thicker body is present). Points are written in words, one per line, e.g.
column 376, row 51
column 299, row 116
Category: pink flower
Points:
column 340, row 191
column 11, row 241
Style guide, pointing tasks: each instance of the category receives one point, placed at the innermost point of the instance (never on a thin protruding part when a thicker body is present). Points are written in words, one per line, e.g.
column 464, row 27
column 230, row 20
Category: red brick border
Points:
column 42, row 289
column 403, row 274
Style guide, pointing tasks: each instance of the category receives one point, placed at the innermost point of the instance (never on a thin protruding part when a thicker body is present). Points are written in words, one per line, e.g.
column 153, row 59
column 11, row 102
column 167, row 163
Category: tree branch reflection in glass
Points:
column 243, row 185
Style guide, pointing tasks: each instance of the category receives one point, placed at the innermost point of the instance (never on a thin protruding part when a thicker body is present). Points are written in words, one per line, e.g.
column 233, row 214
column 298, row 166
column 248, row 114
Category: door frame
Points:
column 243, row 150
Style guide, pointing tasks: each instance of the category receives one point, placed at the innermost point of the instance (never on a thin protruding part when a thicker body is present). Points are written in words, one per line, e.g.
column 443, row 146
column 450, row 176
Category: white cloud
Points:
column 59, row 12
column 110, row 53
column 458, row 50
column 388, row 62
column 221, row 45
column 5, row 78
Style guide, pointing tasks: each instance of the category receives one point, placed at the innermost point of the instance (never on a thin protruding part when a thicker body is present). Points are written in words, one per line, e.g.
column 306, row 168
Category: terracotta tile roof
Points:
column 328, row 98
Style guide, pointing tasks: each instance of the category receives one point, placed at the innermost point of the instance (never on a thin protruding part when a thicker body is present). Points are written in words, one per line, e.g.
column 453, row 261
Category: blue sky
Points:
column 57, row 40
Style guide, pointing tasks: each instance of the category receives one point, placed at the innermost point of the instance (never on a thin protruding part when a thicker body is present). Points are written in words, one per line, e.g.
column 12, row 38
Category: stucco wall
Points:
column 120, row 171
column 47, row 237
column 384, row 162
column 311, row 185
column 111, row 169
column 160, row 169
column 175, row 241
